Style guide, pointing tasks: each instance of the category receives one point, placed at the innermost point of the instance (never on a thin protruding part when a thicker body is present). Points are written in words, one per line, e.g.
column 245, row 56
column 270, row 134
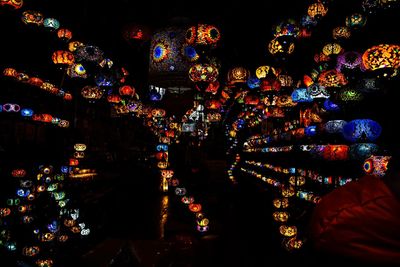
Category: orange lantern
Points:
column 63, row 57
column 195, row 207
column 336, row 152
column 317, row 10
column 67, row 97
column 73, row 162
column 64, row 34
column 4, row 212
column 80, row 147
column 35, row 81
column 15, row 4
column 281, row 203
column 288, row 231
column 238, row 75
column 280, row 216
column 252, row 100
column 158, row 113
column 10, row 72
column 32, row 17
column 162, row 156
column 114, row 99
column 127, row 90
column 213, row 104
column 270, row 84
column 72, row 46
column 167, row 174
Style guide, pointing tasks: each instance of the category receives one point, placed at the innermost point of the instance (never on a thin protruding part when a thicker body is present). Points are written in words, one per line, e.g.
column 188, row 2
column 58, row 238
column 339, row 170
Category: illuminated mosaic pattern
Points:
column 382, row 56
column 203, row 34
column 362, row 130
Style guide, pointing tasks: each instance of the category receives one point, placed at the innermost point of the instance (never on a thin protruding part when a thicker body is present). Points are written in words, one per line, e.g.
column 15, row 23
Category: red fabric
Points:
column 360, row 220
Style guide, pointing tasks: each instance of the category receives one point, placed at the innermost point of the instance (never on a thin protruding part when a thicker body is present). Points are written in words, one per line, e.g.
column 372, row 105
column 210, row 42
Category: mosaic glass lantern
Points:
column 382, row 56
column 336, row 152
column 266, row 71
column 253, row 82
column 361, row 151
column 288, row 231
column 317, row 10
column 286, row 28
column 316, row 91
column 51, row 23
column 362, row 130
column 370, row 6
column 350, row 95
column 356, row 21
column 238, row 75
column 32, row 17
column 301, row 95
column 285, row 80
column 285, row 101
column 89, row 53
column 281, row 46
column 63, row 57
column 349, row 60
column 14, row 4
column 76, row 70
column 203, row 34
column 334, row 126
column 332, row 49
column 64, row 34
column 10, row 72
column 203, row 73
column 376, row 165
column 341, row 33
column 332, row 78
column 280, row 216
column 73, row 46
column 92, row 92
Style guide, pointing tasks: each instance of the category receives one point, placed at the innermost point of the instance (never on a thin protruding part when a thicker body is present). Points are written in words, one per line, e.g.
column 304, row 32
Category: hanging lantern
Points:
column 32, row 17
column 270, row 84
column 92, row 92
column 321, row 57
column 76, row 70
column 362, row 130
column 266, row 71
column 10, row 72
column 64, row 34
column 89, row 53
column 286, row 28
column 317, row 10
column 34, row 81
column 73, row 162
column 18, row 173
column 350, row 95
column 115, row 99
column 203, row 222
column 252, row 100
column 4, row 212
column 334, row 126
column 202, row 229
column 15, row 4
column 203, row 34
column 316, row 91
column 162, row 156
column 44, row 263
column 167, row 174
column 308, row 22
column 73, row 46
column 136, row 32
column 253, row 82
column 297, row 180
column 26, row 112
column 281, row 46
column 361, row 151
column 330, row 106
column 356, row 21
column 341, row 33
column 162, row 148
column 349, row 60
column 280, row 216
column 288, row 192
column 288, row 231
column 213, row 104
column 80, row 147
column 285, row 80
column 382, row 56
column 30, row 251
column 332, row 49
column 127, row 90
column 332, row 78
column 180, row 191
column 63, row 57
column 336, row 152
column 376, row 165
column 285, row 101
column 162, row 165
column 238, row 75
column 195, row 207
column 301, row 95
column 158, row 113
column 203, row 73
column 51, row 23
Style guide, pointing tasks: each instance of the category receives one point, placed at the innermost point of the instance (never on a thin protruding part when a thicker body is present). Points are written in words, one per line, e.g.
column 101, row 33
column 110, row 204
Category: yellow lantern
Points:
column 238, row 75
column 280, row 216
column 281, row 203
column 80, row 147
column 382, row 56
column 332, row 49
column 264, row 71
column 288, row 231
column 317, row 10
column 301, row 180
column 288, row 192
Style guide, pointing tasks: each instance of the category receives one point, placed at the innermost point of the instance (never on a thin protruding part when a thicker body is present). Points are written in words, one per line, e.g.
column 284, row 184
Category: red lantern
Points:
column 68, row 97
column 213, row 104
column 18, row 173
column 170, row 133
column 10, row 72
column 64, row 34
column 63, row 57
column 73, row 162
column 336, row 152
column 158, row 113
column 126, row 90
column 270, row 84
column 195, row 207
column 252, row 100
column 162, row 156
column 35, row 81
column 16, row 4
column 114, row 99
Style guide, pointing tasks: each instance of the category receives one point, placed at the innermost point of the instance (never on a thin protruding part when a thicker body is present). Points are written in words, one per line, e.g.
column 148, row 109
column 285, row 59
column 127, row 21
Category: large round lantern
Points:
column 126, row 90
column 51, row 23
column 63, row 57
column 281, row 46
column 10, row 72
column 334, row 126
column 336, row 152
column 382, row 56
column 238, row 75
column 87, row 52
column 32, row 17
column 288, row 231
column 349, row 60
column 64, row 34
column 92, row 92
column 332, row 49
column 356, row 20
column 362, row 151
column 280, row 216
column 195, row 207
column 15, row 4
column 317, row 10
column 203, row 73
column 362, row 130
column 203, row 34
column 301, row 95
column 376, row 165
column 332, row 78
column 266, row 71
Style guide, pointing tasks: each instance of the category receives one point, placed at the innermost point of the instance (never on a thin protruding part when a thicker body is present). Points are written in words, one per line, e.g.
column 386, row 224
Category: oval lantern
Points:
column 382, row 56
column 195, row 207
column 238, row 75
column 361, row 151
column 51, row 23
column 362, row 130
column 63, row 57
column 288, row 231
column 32, row 17
column 334, row 126
column 80, row 147
column 15, row 4
column 376, row 165
column 336, row 152
column 203, row 34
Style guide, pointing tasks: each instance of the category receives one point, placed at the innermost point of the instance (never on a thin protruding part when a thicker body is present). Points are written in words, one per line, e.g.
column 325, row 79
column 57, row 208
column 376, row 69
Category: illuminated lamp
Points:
column 162, row 156
column 162, row 147
column 238, row 75
column 281, row 46
column 62, row 238
column 69, row 222
column 212, row 87
column 381, row 57
column 203, row 73
column 280, row 216
column 321, row 57
column 92, row 92
column 203, row 222
column 270, row 84
column 332, row 78
column 76, row 70
column 293, row 243
column 330, row 106
column 203, row 34
column 63, row 57
column 89, row 53
column 8, row 107
column 266, row 71
column 63, row 124
column 336, row 152
column 34, row 81
column 75, row 229
column 288, row 192
column 80, row 147
column 252, row 100
column 168, row 174
column 105, row 80
column 334, row 126
column 310, row 130
column 213, row 104
column 180, row 191
column 350, row 95
column 18, row 173
column 253, row 82
column 162, row 165
column 174, row 182
column 362, row 130
column 301, row 95
column 195, row 207
column 317, row 10
column 22, row 77
column 106, row 62
column 376, row 165
column 341, row 33
column 202, row 229
column 10, row 72
column 316, row 91
column 288, row 231
column 44, row 263
column 30, row 251
column 356, row 21
column 73, row 162
column 370, row 6
column 361, row 151
column 285, row 101
column 332, row 49
column 285, row 80
column 127, row 90
column 308, row 22
column 349, row 60
column 114, row 99
column 187, row 200
column 297, row 180
column 136, row 32
column 286, row 28
column 158, row 113
column 305, row 33
column 51, row 23
column 32, row 17
column 15, row 4
column 4, row 212
column 214, row 117
column 73, row 46
column 64, row 34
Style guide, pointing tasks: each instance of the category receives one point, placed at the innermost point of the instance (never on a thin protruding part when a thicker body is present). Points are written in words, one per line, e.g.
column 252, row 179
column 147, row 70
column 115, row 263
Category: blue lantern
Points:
column 154, row 95
column 104, row 80
column 362, row 130
column 253, row 82
column 317, row 91
column 334, row 126
column 64, row 169
column 362, row 151
column 162, row 148
column 330, row 106
column 51, row 23
column 301, row 95
column 311, row 130
column 26, row 112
